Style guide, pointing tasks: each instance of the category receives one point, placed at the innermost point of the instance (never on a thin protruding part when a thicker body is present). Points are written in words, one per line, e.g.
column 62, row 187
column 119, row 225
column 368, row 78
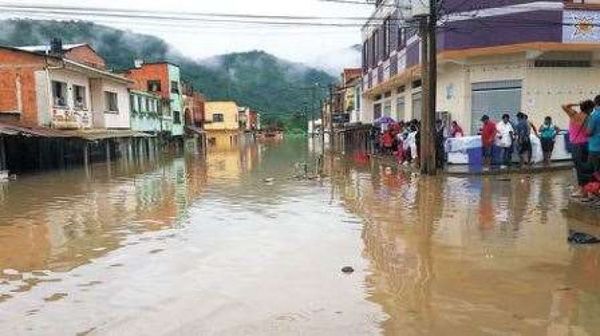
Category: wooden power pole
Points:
column 428, row 25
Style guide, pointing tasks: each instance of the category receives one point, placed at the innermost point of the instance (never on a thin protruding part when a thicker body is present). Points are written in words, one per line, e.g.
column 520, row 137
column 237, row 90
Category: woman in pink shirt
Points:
column 578, row 138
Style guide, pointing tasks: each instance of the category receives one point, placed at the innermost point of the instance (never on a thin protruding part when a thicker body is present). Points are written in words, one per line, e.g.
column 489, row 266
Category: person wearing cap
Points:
column 488, row 137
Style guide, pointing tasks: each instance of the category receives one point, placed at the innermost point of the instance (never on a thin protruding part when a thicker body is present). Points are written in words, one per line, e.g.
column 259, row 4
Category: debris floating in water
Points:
column 582, row 238
column 10, row 271
column 348, row 270
column 269, row 180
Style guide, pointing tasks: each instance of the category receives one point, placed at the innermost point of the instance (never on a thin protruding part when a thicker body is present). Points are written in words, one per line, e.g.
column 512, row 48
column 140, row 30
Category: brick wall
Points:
column 18, row 101
column 87, row 56
column 148, row 72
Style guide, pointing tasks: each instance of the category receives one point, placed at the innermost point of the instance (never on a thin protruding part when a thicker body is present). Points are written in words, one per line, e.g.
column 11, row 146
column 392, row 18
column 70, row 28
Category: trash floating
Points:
column 582, row 238
column 347, row 270
column 10, row 271
column 269, row 180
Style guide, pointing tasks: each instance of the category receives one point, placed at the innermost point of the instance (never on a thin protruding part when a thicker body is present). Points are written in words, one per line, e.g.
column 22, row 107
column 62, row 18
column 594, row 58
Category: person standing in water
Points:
column 548, row 132
column 523, row 132
column 504, row 139
column 578, row 138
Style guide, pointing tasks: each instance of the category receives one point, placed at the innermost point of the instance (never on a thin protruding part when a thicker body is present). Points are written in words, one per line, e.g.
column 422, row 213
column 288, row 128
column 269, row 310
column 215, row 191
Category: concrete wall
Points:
column 44, row 98
column 176, row 101
column 68, row 117
column 106, row 119
column 121, row 119
column 230, row 115
column 546, row 89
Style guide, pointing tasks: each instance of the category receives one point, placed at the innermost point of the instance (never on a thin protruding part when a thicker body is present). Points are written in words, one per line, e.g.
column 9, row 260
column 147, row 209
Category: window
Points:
column 416, row 84
column 400, row 109
column 387, row 108
column 401, row 89
column 111, row 102
column 139, row 104
column 153, row 106
column 218, row 117
column 59, row 94
column 154, row 86
column 374, row 46
column 132, row 104
column 401, row 37
column 387, row 94
column 377, row 111
column 174, row 87
column 365, row 49
column 148, row 105
column 176, row 117
column 79, row 97
column 386, row 37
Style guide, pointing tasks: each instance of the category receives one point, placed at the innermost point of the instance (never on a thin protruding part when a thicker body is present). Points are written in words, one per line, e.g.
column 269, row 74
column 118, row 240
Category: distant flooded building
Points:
column 494, row 58
column 193, row 107
column 222, row 123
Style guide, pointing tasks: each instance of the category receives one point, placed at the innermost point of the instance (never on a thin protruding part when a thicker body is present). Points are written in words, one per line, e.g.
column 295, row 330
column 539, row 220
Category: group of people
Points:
column 584, row 138
column 403, row 140
column 400, row 139
column 511, row 136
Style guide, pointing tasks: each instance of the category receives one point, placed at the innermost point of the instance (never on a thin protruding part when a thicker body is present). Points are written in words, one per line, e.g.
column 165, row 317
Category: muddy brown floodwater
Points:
column 231, row 245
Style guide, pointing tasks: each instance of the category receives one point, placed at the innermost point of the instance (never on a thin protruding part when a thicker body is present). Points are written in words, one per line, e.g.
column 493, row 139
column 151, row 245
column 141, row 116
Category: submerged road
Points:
column 230, row 244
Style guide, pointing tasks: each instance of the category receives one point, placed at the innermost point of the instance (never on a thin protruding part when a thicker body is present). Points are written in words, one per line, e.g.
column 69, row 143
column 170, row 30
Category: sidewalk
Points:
column 466, row 170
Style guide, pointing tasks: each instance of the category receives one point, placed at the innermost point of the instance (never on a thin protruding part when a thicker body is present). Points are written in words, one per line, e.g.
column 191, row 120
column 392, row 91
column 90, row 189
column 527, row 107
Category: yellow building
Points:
column 222, row 123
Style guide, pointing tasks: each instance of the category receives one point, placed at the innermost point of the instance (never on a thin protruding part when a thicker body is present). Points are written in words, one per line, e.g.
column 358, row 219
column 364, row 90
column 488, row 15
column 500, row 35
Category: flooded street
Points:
column 194, row 246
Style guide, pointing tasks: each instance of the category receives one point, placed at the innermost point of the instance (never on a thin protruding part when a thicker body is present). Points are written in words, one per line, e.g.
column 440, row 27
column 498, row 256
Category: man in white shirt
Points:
column 504, row 139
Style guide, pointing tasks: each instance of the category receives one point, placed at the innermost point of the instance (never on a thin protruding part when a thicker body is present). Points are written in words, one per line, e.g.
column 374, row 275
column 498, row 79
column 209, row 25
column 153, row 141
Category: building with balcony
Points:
column 63, row 87
column 146, row 108
column 494, row 57
column 163, row 79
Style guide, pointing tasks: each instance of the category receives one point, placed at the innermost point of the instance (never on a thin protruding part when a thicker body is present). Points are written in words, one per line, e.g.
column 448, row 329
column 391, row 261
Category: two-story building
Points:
column 163, row 79
column 494, row 57
column 222, row 123
column 61, row 87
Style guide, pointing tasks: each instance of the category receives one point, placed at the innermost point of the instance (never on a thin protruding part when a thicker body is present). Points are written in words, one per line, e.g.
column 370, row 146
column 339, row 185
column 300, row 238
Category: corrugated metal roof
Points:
column 46, row 48
column 90, row 135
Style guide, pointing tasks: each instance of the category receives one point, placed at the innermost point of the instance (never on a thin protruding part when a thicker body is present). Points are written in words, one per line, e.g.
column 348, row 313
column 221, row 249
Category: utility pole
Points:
column 322, row 131
column 312, row 109
column 330, row 121
column 428, row 25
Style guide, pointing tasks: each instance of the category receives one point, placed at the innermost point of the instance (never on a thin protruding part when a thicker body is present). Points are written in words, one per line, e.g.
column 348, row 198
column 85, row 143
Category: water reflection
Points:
column 473, row 256
column 60, row 220
column 231, row 244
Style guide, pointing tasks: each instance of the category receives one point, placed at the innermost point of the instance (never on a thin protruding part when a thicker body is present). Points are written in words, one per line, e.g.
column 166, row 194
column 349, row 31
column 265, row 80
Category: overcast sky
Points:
column 200, row 40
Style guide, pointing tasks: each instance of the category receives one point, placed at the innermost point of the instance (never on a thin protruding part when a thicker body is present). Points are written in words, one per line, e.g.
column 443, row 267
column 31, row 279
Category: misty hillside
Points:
column 255, row 78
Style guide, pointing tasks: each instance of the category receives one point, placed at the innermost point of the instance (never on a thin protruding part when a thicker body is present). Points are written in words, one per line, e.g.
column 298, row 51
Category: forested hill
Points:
column 255, row 78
